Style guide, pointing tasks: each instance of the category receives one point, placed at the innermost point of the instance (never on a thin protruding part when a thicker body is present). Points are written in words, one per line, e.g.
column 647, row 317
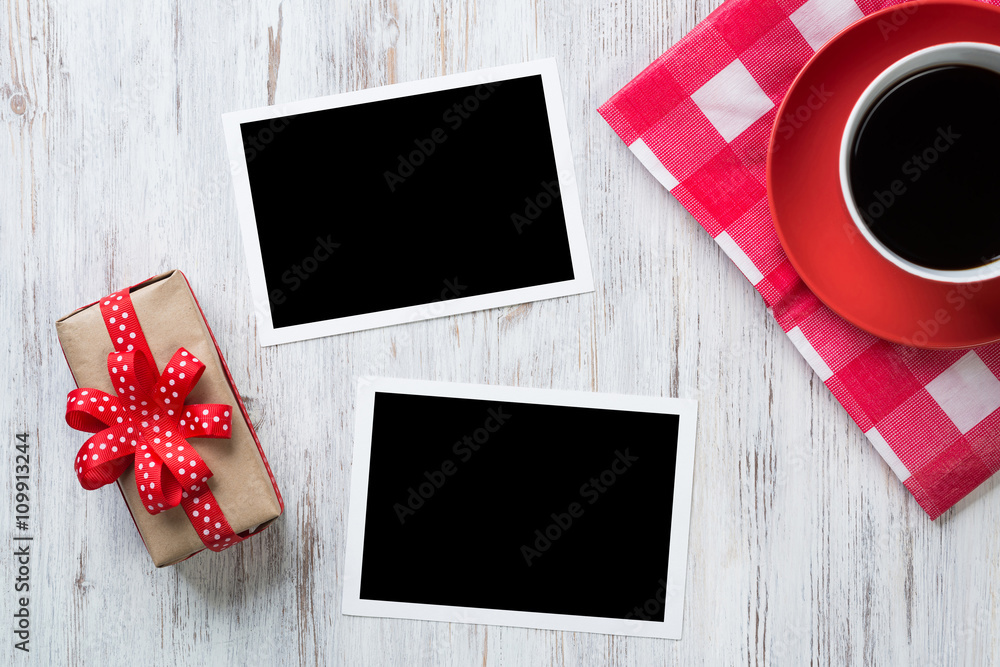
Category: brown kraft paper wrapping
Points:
column 170, row 318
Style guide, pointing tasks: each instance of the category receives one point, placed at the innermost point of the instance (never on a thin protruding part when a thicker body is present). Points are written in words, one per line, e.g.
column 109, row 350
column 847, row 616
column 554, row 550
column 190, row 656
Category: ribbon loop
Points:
column 206, row 420
column 173, row 451
column 179, row 377
column 104, row 457
column 90, row 410
column 132, row 376
column 157, row 486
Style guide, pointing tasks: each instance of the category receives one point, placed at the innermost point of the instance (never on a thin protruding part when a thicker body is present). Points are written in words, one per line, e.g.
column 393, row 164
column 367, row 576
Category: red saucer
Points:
column 807, row 205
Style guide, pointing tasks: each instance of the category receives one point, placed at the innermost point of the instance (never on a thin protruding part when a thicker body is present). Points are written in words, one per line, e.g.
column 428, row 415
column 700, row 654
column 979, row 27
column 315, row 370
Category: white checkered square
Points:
column 809, row 352
column 967, row 391
column 819, row 20
column 740, row 258
column 653, row 164
column 732, row 100
column 883, row 448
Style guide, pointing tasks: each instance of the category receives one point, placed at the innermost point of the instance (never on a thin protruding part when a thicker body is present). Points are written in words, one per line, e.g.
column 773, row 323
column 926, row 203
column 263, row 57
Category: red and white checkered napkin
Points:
column 699, row 119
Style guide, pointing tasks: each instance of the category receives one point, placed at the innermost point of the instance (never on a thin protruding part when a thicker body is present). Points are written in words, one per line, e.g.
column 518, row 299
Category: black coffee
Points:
column 925, row 167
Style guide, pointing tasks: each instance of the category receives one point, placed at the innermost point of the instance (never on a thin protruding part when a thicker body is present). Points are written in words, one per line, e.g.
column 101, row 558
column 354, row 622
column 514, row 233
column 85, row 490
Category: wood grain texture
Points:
column 805, row 549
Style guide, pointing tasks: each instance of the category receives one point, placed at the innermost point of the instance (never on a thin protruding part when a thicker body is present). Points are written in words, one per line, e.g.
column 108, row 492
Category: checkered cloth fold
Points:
column 699, row 119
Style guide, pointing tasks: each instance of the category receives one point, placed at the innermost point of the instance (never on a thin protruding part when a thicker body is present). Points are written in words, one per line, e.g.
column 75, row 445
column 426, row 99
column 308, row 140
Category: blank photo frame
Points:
column 524, row 507
column 408, row 202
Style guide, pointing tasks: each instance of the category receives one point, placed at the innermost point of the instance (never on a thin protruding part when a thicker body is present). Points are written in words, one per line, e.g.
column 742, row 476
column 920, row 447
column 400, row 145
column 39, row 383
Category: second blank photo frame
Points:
column 527, row 507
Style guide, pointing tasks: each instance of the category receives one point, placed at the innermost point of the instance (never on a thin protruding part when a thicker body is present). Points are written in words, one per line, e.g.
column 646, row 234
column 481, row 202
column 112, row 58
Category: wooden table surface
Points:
column 804, row 546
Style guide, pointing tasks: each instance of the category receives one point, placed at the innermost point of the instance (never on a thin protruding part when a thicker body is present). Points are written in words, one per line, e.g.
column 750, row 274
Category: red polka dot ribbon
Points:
column 145, row 426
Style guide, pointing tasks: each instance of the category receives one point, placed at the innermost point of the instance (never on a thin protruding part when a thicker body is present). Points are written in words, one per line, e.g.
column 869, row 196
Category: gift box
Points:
column 167, row 421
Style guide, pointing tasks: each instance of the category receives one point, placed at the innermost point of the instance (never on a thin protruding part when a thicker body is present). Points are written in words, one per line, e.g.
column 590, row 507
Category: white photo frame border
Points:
column 672, row 624
column 582, row 282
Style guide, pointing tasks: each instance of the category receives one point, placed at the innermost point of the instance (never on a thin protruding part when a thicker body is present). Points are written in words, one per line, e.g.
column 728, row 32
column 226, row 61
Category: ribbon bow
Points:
column 146, row 425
